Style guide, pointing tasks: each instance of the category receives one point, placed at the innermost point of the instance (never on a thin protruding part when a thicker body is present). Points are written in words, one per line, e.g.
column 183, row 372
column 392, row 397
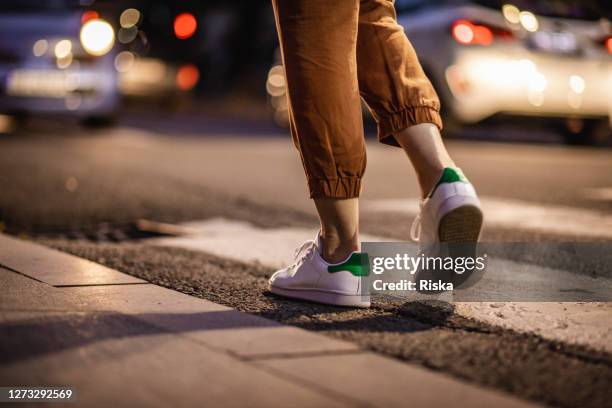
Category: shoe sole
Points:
column 328, row 298
column 461, row 225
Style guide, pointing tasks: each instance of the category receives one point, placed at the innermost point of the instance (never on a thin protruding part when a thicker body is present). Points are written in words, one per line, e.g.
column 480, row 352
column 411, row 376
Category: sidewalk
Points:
column 121, row 341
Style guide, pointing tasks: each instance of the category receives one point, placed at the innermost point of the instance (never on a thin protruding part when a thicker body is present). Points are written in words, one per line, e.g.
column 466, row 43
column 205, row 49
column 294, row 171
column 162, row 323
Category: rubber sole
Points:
column 328, row 298
column 461, row 225
column 460, row 230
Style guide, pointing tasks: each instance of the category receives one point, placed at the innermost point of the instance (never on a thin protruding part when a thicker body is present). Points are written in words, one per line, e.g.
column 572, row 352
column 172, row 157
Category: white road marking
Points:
column 517, row 214
column 585, row 323
column 579, row 323
column 242, row 241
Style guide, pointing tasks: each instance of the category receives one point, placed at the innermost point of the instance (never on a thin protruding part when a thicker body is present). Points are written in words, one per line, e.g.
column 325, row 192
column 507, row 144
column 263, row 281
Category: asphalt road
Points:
column 55, row 178
column 84, row 192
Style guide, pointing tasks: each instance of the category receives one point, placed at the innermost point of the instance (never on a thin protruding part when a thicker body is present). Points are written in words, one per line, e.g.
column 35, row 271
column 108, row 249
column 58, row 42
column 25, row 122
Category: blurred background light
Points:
column 275, row 85
column 40, row 48
column 62, row 48
column 511, row 13
column 124, row 61
column 127, row 35
column 466, row 32
column 65, row 61
column 277, row 76
column 577, row 84
column 185, row 25
column 462, row 31
column 538, row 82
column 529, row 21
column 187, row 77
column 97, row 37
column 526, row 66
column 129, row 18
column 89, row 15
column 482, row 35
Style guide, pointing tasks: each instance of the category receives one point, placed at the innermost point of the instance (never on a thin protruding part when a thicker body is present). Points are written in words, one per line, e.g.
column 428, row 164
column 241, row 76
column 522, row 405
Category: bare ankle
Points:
column 429, row 179
column 335, row 250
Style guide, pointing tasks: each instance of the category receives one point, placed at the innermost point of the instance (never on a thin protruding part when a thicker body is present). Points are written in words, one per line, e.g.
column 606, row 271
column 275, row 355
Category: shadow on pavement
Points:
column 394, row 318
column 33, row 337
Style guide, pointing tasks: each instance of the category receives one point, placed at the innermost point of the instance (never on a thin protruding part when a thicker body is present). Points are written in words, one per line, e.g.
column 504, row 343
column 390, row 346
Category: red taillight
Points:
column 89, row 15
column 187, row 77
column 483, row 35
column 467, row 33
column 185, row 25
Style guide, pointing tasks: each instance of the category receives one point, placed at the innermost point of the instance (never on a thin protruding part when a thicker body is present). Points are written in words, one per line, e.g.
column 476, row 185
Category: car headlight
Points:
column 97, row 37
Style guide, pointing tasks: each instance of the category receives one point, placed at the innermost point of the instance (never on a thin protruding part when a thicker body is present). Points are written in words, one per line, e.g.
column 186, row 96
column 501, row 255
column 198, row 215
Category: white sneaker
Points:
column 450, row 213
column 311, row 278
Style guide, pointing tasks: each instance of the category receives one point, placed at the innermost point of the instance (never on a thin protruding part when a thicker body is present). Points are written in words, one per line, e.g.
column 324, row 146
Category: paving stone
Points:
column 113, row 361
column 18, row 292
column 380, row 381
column 56, row 268
column 216, row 325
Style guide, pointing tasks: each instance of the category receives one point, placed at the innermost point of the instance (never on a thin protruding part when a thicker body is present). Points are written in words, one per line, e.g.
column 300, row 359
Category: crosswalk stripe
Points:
column 518, row 214
column 581, row 323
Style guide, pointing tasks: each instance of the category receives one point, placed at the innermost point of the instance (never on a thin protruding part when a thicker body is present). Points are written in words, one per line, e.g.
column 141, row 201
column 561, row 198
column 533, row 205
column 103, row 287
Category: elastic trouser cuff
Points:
column 398, row 121
column 342, row 187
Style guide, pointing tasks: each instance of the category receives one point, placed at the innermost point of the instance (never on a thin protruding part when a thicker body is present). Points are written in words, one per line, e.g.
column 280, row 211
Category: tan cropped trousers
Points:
column 334, row 52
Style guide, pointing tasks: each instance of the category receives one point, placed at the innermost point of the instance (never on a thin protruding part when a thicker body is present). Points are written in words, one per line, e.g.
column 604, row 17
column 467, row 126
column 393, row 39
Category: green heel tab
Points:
column 449, row 175
column 358, row 264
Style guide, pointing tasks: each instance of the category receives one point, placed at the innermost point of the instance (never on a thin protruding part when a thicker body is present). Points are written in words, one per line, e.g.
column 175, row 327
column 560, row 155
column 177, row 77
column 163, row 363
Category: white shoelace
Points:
column 415, row 229
column 304, row 251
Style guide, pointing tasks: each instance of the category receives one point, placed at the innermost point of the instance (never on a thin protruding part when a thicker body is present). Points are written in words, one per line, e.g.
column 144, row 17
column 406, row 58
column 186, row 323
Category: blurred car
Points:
column 56, row 59
column 487, row 58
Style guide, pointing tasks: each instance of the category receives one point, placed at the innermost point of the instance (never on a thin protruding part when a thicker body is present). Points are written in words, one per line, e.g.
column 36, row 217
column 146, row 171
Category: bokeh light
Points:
column 65, row 61
column 127, row 35
column 187, row 77
column 511, row 13
column 577, row 84
column 63, row 48
column 463, row 32
column 124, row 61
column 129, row 18
column 97, row 37
column 529, row 21
column 89, row 15
column 40, row 48
column 538, row 82
column 185, row 25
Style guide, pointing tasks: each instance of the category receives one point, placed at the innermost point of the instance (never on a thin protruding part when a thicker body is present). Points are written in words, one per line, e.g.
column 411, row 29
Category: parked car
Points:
column 490, row 59
column 56, row 59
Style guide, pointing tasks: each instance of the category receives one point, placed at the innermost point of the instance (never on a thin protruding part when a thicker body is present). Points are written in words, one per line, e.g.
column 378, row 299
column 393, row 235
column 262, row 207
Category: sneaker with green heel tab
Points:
column 450, row 213
column 311, row 278
column 449, row 224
